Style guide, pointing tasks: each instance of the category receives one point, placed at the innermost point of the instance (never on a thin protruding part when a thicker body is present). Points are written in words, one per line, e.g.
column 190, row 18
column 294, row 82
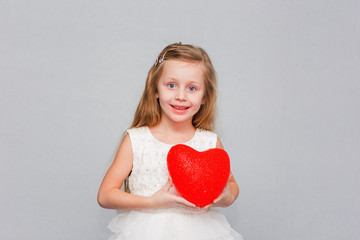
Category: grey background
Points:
column 72, row 73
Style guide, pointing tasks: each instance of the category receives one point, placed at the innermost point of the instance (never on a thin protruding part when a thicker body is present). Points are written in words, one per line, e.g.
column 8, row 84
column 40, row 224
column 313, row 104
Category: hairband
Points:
column 159, row 61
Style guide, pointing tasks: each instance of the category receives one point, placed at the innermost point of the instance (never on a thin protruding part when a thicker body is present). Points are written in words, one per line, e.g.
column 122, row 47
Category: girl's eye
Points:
column 171, row 85
column 192, row 88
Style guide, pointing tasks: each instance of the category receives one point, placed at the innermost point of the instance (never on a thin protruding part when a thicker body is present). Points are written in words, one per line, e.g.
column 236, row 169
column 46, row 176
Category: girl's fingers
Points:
column 218, row 199
column 189, row 204
column 168, row 185
column 183, row 201
column 208, row 206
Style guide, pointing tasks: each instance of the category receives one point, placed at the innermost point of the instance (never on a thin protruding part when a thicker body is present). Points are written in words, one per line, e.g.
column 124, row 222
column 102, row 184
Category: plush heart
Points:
column 200, row 177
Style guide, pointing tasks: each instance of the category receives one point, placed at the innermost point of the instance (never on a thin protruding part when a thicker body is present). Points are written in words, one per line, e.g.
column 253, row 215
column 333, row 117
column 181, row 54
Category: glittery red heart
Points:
column 200, row 177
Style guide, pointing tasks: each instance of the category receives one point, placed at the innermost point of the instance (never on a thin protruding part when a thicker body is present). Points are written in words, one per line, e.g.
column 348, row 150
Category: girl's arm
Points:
column 111, row 196
column 230, row 192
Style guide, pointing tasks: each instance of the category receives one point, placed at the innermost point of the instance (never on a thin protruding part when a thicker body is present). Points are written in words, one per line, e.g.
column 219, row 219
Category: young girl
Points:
column 177, row 106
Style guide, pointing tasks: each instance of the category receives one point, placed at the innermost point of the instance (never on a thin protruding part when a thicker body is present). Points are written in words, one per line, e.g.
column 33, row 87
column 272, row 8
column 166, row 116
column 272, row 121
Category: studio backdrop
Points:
column 71, row 76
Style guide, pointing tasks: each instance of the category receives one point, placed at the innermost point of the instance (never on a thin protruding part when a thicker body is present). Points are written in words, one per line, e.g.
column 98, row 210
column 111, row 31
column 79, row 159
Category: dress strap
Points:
column 138, row 136
column 205, row 140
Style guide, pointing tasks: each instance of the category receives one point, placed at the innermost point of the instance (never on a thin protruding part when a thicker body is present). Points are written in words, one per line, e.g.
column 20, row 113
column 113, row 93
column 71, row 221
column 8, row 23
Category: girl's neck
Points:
column 173, row 133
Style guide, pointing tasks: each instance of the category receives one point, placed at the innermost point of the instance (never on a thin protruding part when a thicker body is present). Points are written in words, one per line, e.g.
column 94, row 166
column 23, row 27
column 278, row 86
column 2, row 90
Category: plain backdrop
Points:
column 72, row 72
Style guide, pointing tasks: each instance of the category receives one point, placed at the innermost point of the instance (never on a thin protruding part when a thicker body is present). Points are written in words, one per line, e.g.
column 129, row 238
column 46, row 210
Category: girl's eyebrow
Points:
column 173, row 79
column 194, row 83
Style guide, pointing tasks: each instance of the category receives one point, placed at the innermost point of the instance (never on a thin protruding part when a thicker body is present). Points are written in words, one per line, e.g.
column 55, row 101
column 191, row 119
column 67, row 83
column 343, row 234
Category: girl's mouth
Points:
column 177, row 107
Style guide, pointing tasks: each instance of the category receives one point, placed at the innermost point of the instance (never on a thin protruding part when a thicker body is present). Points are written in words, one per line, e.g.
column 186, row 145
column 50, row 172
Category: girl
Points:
column 177, row 106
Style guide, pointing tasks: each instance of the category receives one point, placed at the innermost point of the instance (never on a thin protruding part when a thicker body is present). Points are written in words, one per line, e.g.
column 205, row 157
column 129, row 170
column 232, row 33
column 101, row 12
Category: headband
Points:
column 159, row 61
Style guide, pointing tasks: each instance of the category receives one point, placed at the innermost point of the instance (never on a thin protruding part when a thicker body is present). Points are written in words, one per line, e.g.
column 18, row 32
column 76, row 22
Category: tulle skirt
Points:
column 172, row 224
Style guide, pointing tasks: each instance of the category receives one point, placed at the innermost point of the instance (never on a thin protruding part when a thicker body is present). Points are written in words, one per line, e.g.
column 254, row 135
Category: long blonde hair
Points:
column 148, row 112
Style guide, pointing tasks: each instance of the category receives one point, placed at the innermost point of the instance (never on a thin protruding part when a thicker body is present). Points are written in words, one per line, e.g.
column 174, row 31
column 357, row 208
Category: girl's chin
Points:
column 179, row 119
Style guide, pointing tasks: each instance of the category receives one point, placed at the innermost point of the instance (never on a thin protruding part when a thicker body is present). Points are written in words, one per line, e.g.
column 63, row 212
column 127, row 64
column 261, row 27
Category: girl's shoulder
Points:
column 206, row 138
column 138, row 136
column 206, row 133
column 138, row 130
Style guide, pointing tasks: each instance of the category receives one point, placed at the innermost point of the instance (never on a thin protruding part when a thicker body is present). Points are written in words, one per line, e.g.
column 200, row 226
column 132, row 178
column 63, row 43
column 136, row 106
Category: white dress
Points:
column 149, row 174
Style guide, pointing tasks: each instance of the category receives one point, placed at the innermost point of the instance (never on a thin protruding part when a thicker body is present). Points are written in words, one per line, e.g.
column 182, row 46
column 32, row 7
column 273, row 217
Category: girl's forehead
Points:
column 183, row 70
column 180, row 63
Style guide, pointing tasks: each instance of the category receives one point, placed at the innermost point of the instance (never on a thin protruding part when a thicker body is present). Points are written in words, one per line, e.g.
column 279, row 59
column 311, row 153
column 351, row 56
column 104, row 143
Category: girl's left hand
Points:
column 226, row 198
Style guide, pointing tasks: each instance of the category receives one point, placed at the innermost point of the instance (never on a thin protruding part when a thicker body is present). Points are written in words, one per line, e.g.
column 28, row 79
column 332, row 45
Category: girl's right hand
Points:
column 164, row 199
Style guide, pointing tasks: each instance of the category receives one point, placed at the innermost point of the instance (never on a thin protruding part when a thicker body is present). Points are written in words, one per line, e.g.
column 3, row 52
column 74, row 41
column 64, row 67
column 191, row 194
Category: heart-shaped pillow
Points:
column 200, row 177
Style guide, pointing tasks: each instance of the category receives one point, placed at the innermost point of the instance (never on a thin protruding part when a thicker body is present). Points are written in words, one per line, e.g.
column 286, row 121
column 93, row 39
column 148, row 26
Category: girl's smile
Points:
column 179, row 109
column 180, row 90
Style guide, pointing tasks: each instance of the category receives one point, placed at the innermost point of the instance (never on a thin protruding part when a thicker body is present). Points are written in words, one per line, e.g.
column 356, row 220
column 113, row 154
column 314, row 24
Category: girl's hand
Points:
column 164, row 199
column 226, row 198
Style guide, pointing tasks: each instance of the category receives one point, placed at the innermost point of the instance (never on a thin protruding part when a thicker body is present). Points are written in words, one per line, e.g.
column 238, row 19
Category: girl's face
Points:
column 181, row 90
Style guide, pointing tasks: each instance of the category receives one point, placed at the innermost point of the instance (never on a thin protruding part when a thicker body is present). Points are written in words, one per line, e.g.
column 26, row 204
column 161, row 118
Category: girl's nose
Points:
column 180, row 95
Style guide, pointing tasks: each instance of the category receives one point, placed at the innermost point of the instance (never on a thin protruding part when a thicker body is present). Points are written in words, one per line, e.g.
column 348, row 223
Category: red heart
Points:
column 200, row 177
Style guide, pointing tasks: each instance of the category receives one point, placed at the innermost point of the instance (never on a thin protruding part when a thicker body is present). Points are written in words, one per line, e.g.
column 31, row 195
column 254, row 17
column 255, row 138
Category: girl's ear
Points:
column 157, row 95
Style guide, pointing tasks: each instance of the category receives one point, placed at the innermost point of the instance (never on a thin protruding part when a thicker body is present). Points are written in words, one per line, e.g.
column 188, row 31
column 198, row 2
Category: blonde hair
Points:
column 148, row 112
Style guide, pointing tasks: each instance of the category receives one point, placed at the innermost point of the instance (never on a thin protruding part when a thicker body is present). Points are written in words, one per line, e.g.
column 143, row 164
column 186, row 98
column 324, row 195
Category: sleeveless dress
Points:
column 149, row 174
